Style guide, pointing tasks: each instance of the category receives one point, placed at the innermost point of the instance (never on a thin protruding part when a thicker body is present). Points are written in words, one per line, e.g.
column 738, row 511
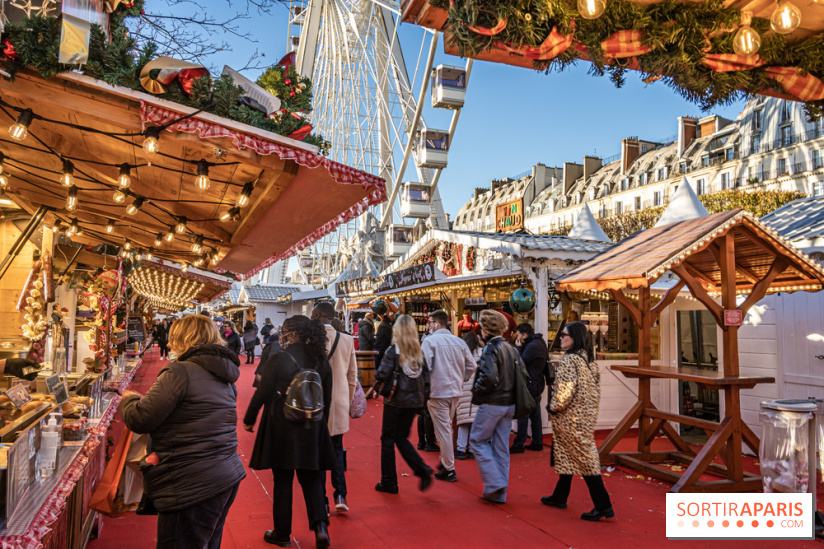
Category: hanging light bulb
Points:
column 198, row 261
column 230, row 214
column 125, row 178
column 127, row 245
column 746, row 40
column 74, row 228
column 67, row 179
column 180, row 228
column 71, row 199
column 124, row 253
column 2, row 162
column 202, row 181
column 110, row 227
column 119, row 196
column 159, row 240
column 20, row 129
column 214, row 258
column 4, row 179
column 170, row 235
column 149, row 255
column 151, row 144
column 135, row 206
column 786, row 18
column 591, row 9
column 197, row 245
column 184, row 267
column 243, row 197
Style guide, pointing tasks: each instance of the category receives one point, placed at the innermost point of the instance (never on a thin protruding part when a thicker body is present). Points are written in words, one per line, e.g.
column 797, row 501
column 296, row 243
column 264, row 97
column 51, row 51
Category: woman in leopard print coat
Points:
column 574, row 410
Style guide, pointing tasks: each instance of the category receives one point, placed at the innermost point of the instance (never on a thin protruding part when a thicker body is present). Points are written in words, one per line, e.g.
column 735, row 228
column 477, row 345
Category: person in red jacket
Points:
column 467, row 324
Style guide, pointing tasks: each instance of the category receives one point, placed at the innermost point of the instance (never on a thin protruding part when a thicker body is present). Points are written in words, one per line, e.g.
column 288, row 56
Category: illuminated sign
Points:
column 509, row 216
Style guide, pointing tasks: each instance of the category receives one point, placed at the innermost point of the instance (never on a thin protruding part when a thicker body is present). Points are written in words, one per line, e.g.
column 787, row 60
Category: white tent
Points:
column 586, row 227
column 684, row 205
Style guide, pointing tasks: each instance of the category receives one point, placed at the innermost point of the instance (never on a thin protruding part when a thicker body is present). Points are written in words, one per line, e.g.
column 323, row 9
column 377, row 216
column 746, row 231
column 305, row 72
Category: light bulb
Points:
column 184, row 267
column 202, row 180
column 198, row 262
column 180, row 228
column 74, row 228
column 746, row 41
column 170, row 235
column 125, row 179
column 243, row 197
column 135, row 206
column 591, row 9
column 67, row 178
column 149, row 255
column 230, row 214
column 152, row 142
column 110, row 227
column 127, row 245
column 197, row 245
column 2, row 162
column 4, row 179
column 119, row 196
column 786, row 18
column 159, row 240
column 20, row 129
column 71, row 199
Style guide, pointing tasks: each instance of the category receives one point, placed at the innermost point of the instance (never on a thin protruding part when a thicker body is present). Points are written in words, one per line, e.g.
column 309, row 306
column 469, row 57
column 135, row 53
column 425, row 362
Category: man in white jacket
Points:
column 344, row 380
column 451, row 363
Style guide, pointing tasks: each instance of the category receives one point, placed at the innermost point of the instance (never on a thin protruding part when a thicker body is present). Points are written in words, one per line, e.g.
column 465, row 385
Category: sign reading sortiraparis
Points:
column 740, row 516
column 416, row 274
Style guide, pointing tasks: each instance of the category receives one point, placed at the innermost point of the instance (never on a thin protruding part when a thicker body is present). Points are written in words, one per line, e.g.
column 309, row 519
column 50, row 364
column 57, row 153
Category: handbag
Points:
column 358, row 406
column 108, row 497
column 257, row 341
column 524, row 401
column 386, row 388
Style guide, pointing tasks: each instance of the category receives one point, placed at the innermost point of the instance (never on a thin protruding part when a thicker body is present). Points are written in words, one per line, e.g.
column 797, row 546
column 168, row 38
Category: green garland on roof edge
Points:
column 117, row 61
column 759, row 203
column 678, row 48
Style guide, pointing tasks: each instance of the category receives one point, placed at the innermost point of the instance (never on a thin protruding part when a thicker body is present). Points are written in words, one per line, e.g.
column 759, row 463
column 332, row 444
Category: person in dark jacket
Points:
column 287, row 447
column 403, row 360
column 366, row 333
column 267, row 329
column 534, row 355
column 232, row 339
column 494, row 392
column 383, row 338
column 250, row 340
column 271, row 348
column 162, row 334
column 193, row 470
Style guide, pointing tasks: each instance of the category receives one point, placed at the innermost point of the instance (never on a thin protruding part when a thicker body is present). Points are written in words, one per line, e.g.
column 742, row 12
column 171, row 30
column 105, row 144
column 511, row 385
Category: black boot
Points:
column 321, row 536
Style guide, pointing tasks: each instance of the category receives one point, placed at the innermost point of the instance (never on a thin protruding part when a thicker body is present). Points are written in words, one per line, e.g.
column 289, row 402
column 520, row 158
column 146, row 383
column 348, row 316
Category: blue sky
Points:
column 514, row 117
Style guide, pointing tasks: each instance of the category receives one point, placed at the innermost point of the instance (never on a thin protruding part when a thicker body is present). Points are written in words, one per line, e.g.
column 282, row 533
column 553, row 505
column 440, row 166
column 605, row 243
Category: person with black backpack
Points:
column 295, row 391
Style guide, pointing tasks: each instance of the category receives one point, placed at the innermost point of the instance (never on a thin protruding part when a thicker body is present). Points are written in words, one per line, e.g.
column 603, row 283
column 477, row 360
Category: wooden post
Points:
column 644, row 361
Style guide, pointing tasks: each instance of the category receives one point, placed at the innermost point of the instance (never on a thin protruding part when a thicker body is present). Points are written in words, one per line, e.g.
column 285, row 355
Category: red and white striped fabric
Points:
column 625, row 43
column 554, row 45
column 727, row 62
column 803, row 86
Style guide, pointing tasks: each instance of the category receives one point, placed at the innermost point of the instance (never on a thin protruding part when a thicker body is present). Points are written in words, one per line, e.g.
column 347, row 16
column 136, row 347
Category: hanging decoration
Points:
column 471, row 257
column 668, row 40
column 522, row 300
column 37, row 293
column 163, row 71
column 379, row 307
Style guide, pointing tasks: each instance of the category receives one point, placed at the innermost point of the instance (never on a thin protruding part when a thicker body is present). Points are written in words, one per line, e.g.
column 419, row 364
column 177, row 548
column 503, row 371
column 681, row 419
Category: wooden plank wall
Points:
column 12, row 282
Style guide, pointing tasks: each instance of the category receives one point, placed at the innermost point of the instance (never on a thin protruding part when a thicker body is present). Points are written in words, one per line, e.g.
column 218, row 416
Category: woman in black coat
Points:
column 287, row 446
column 163, row 338
column 404, row 361
column 193, row 470
column 232, row 338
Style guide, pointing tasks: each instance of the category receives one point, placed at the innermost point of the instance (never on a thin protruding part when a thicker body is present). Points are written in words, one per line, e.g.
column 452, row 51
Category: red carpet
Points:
column 447, row 516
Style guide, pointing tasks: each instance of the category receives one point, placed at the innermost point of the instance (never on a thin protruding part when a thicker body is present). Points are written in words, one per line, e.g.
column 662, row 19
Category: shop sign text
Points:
column 411, row 276
column 509, row 216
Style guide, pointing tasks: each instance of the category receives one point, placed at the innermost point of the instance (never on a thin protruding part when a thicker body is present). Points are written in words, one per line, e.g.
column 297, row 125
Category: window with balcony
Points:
column 756, row 120
column 782, row 166
column 658, row 198
column 815, row 159
column 705, row 160
column 755, row 144
column 701, row 187
column 786, row 136
column 619, row 208
column 725, row 181
column 729, row 154
column 637, row 203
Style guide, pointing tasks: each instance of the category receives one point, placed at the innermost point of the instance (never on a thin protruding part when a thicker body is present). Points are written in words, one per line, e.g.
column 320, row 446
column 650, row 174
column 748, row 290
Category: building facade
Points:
column 770, row 146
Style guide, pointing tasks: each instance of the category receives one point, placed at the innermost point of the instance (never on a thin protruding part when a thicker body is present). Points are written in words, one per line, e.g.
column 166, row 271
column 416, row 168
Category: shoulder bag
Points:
column 524, row 402
column 386, row 388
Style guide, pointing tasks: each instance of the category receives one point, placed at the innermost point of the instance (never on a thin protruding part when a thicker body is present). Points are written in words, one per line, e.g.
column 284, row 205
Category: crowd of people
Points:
column 305, row 384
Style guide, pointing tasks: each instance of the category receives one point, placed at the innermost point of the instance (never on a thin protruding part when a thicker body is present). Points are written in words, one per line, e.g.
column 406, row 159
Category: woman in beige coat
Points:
column 465, row 413
column 574, row 410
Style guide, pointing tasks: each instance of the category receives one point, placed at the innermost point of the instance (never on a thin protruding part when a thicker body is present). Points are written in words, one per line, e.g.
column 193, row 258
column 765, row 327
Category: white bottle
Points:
column 47, row 455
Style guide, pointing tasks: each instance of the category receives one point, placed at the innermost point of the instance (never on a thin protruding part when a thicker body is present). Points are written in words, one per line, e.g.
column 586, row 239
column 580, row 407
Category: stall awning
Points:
column 298, row 196
column 360, row 303
column 458, row 282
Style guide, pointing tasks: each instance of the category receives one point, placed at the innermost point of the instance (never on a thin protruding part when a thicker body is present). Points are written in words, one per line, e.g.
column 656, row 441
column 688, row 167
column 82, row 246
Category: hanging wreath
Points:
column 471, row 256
column 447, row 252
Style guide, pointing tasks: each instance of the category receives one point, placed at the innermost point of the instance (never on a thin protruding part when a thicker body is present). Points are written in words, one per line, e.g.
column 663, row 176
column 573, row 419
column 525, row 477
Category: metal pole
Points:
column 17, row 247
column 387, row 215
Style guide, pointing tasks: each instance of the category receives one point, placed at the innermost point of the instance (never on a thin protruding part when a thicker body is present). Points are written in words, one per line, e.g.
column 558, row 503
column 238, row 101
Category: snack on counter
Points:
column 74, row 430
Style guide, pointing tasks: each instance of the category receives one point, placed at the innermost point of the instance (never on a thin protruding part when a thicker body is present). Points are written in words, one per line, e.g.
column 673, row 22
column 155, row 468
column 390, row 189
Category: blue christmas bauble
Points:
column 380, row 307
column 522, row 301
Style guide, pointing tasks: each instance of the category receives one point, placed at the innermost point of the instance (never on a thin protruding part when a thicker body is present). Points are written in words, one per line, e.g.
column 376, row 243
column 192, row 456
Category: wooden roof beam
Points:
column 698, row 275
column 699, row 293
column 746, row 273
column 779, row 265
column 668, row 298
column 620, row 297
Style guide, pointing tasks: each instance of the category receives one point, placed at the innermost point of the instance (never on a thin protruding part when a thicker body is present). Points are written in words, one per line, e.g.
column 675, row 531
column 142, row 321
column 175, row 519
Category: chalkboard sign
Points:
column 135, row 327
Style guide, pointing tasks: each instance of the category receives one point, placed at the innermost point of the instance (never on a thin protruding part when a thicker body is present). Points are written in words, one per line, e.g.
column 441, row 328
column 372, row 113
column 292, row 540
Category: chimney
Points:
column 572, row 172
column 540, row 181
column 630, row 150
column 479, row 191
column 687, row 131
column 591, row 165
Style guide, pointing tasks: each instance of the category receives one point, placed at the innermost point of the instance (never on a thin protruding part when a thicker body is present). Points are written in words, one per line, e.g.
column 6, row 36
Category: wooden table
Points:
column 725, row 441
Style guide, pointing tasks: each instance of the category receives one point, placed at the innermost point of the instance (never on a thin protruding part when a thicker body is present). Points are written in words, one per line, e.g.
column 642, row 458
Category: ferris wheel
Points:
column 368, row 101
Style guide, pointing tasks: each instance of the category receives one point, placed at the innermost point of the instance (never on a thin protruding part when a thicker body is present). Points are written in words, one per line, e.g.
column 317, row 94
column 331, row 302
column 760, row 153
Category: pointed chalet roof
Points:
column 684, row 205
column 586, row 227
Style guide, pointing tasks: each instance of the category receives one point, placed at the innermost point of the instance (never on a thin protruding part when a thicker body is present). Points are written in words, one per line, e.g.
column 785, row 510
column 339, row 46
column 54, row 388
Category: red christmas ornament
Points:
column 9, row 50
column 288, row 60
column 187, row 77
column 301, row 133
column 292, row 93
column 287, row 82
column 142, row 12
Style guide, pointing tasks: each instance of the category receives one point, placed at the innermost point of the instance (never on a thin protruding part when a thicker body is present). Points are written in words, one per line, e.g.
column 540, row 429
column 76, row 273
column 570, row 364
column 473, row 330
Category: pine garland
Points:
column 116, row 61
column 681, row 34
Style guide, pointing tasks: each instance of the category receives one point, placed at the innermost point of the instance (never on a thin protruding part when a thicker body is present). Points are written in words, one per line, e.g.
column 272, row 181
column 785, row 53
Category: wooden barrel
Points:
column 366, row 368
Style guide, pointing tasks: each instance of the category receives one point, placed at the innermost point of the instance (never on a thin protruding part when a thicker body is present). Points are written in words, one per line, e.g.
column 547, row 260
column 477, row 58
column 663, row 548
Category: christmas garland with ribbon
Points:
column 471, row 257
column 687, row 45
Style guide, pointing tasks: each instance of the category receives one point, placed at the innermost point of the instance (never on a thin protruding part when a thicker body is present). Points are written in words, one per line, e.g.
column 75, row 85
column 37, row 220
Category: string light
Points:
column 202, row 181
column 110, row 227
column 71, row 199
column 67, row 178
column 746, row 41
column 245, row 194
column 230, row 214
column 124, row 253
column 135, row 206
column 149, row 255
column 159, row 240
column 119, row 196
column 785, row 18
column 151, row 144
column 74, row 228
column 197, row 245
column 180, row 228
column 125, row 178
column 170, row 235
column 184, row 267
column 4, row 179
column 20, row 129
column 127, row 245
column 591, row 9
column 198, row 261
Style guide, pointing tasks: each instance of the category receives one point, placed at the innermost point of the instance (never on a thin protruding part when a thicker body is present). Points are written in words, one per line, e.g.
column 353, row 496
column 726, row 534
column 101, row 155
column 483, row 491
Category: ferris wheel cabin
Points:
column 448, row 87
column 415, row 198
column 433, row 148
column 398, row 240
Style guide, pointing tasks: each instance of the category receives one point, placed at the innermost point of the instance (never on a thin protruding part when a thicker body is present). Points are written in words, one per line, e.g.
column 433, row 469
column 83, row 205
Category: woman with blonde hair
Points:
column 193, row 470
column 405, row 375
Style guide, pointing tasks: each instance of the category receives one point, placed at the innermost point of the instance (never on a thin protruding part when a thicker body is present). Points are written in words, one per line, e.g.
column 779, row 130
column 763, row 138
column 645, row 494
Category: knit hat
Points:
column 493, row 322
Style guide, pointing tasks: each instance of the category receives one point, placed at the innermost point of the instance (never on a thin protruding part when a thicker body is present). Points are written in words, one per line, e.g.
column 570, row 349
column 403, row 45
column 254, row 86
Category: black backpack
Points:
column 303, row 400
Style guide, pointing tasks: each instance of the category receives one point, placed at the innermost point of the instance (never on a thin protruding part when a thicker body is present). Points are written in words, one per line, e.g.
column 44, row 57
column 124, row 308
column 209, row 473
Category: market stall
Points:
column 730, row 255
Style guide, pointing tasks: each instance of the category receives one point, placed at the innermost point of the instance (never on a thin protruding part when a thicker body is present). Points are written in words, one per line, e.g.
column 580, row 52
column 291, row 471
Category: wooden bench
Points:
column 725, row 437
